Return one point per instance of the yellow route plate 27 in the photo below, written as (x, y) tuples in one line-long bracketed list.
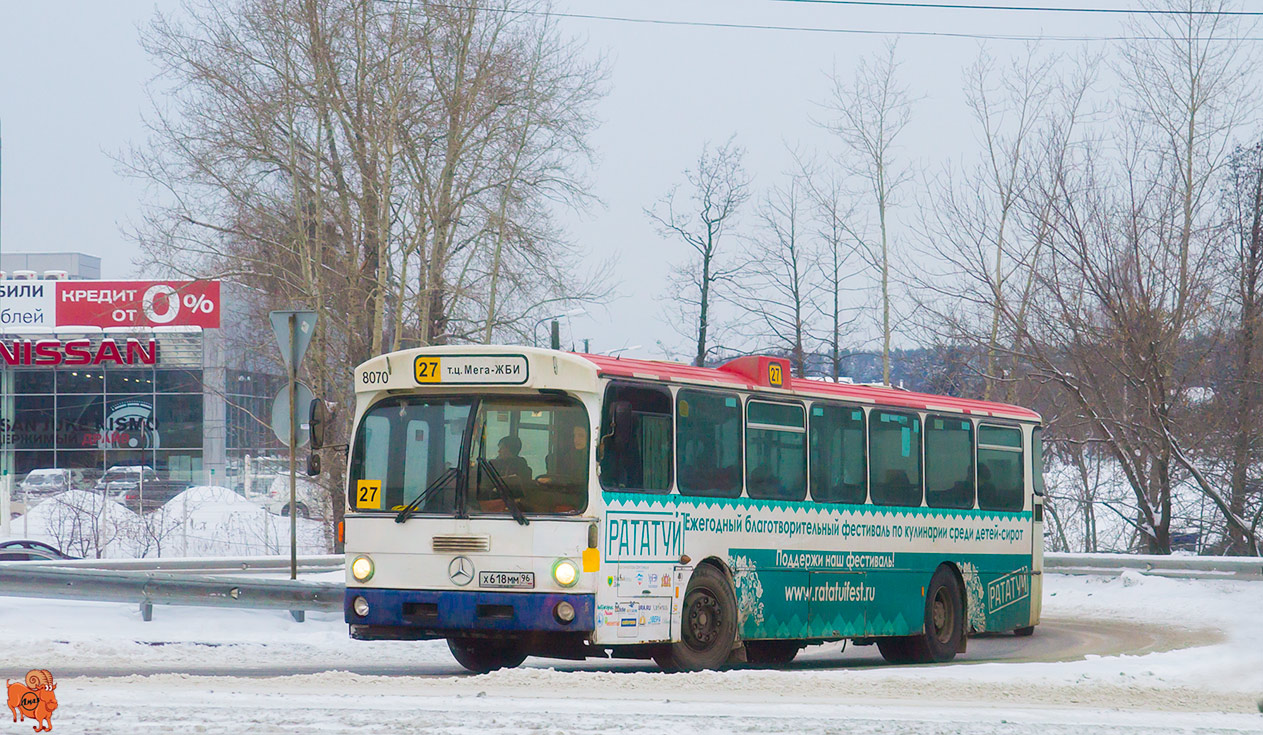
[(368, 494), (427, 369)]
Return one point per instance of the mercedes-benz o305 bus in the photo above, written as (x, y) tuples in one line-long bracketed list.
[(519, 501)]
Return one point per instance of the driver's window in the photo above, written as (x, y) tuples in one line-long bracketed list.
[(538, 449)]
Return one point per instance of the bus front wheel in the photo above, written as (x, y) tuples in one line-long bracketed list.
[(481, 656), (944, 626), (708, 629)]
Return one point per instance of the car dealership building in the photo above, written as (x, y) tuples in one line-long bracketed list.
[(98, 373)]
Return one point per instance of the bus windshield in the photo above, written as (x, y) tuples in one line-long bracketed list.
[(536, 449)]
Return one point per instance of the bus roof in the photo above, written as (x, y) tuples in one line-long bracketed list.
[(532, 367), (746, 373)]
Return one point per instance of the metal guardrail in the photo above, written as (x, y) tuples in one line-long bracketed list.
[(1184, 567), (27, 579), (205, 565)]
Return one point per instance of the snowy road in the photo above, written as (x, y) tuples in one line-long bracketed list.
[(1057, 640), (1125, 655)]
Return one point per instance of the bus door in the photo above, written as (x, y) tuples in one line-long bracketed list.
[(1037, 524)]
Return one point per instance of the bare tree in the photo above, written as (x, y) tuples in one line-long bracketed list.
[(986, 226), (394, 166), (1243, 206), (833, 214), (777, 281), (868, 113), (700, 218)]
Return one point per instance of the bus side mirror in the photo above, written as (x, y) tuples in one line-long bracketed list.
[(319, 416), (313, 464)]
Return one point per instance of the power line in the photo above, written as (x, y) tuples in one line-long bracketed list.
[(1028, 8), (798, 28)]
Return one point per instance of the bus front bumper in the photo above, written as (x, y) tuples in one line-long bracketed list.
[(417, 614)]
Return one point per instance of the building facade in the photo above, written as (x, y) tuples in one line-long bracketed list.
[(96, 374)]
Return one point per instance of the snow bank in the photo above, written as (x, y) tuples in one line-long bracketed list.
[(81, 523), (201, 521), (215, 521)]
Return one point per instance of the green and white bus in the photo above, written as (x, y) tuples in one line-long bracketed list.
[(518, 501)]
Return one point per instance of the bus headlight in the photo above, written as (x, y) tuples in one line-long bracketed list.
[(565, 572), (360, 606), (362, 568)]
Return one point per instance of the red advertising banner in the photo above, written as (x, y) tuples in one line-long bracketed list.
[(138, 304)]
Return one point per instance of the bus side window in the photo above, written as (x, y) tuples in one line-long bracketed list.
[(776, 451), (1000, 469), (949, 462), (708, 441), (634, 450), (837, 454), (894, 455)]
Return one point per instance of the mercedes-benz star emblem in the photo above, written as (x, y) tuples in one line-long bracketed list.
[(461, 571)]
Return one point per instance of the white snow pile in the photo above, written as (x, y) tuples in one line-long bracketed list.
[(215, 521), (201, 521), (81, 523)]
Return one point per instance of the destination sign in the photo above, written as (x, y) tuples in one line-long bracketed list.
[(471, 369)]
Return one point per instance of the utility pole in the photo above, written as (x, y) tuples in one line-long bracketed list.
[(293, 447)]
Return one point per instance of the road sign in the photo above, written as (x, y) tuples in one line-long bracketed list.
[(304, 328), (281, 414)]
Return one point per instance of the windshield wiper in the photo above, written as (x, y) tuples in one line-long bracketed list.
[(417, 502), (498, 483)]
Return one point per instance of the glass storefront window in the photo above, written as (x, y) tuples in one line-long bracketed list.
[(34, 424), (24, 462), (79, 420), (130, 423), (180, 466), (179, 421), (26, 382), (178, 381), (80, 381), (129, 381)]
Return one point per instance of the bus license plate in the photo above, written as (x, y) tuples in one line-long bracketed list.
[(507, 580)]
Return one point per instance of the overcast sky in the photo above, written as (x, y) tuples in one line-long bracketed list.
[(72, 79)]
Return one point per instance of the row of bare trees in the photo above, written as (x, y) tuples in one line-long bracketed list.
[(1098, 257), (395, 165)]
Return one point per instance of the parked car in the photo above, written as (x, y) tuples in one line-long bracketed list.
[(24, 550), (128, 484), (122, 477), (45, 482), (311, 500)]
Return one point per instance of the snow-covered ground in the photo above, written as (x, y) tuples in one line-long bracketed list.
[(225, 671)]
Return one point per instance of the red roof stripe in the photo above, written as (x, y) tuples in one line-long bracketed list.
[(632, 368)]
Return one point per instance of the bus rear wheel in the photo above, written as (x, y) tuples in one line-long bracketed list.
[(944, 626), (481, 656), (708, 630)]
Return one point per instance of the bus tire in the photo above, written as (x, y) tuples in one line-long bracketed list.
[(708, 631), (944, 626), (1024, 632), (771, 653), (896, 649), (481, 656)]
